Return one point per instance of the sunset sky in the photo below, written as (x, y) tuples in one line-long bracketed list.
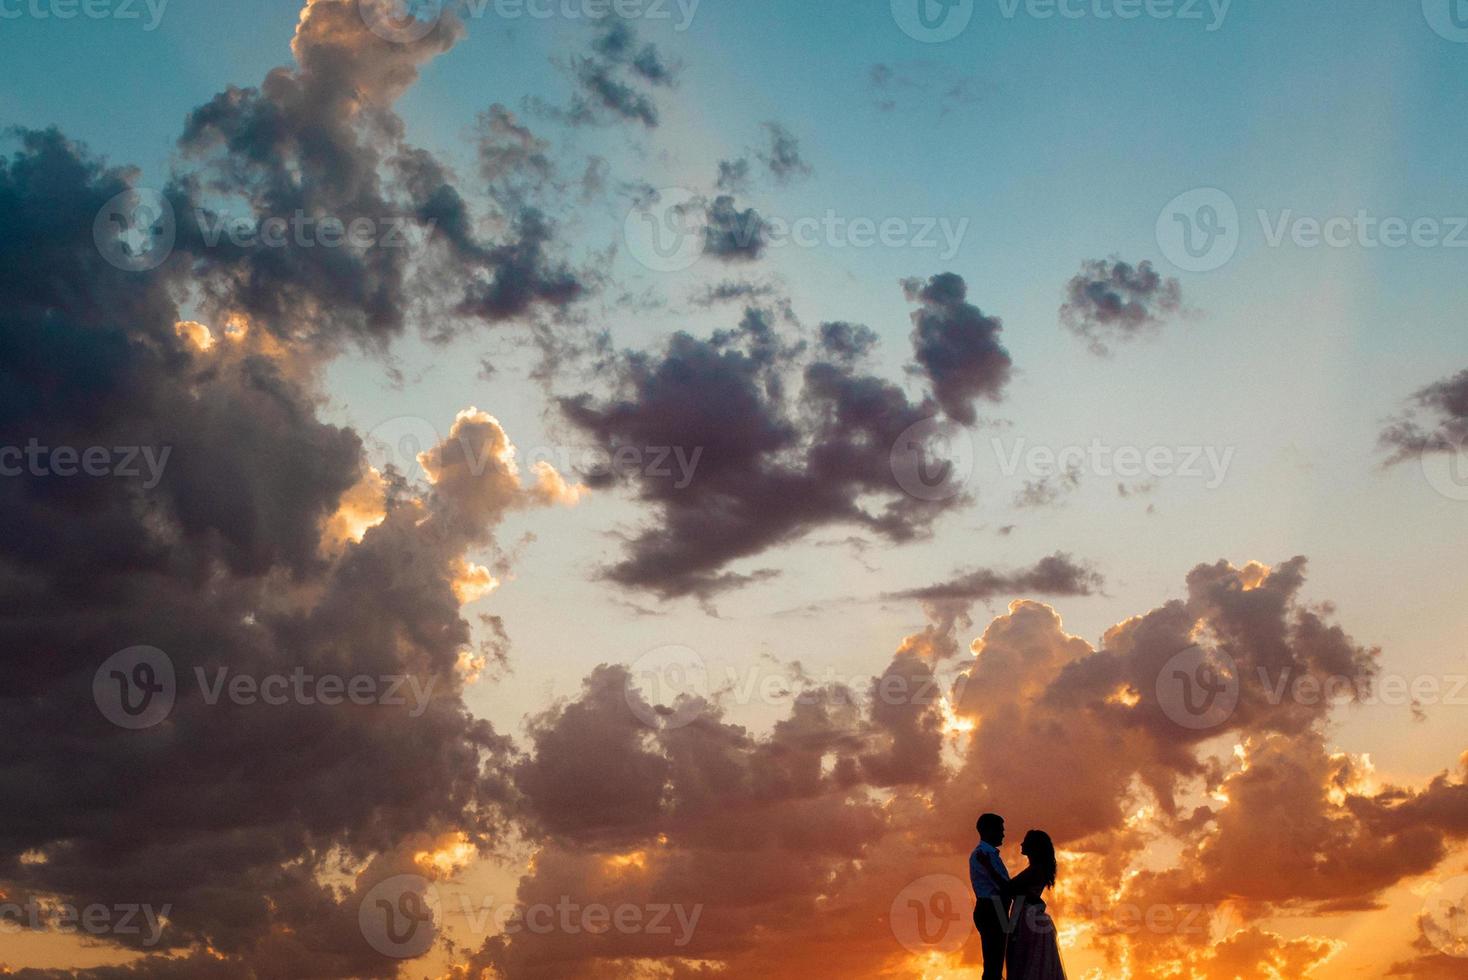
[(730, 446)]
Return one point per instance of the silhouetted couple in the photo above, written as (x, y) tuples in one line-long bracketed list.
[(1010, 913)]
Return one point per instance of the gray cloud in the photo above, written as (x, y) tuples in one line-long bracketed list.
[(1110, 301)]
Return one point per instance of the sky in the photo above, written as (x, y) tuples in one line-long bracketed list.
[(729, 447)]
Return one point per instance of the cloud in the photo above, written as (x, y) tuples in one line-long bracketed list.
[(614, 81), (734, 175), (1050, 489), (1110, 301), (732, 235), (322, 142), (956, 346), (1055, 575), (781, 156), (732, 290), (913, 86), (261, 545), (791, 843), (788, 438), (514, 162), (1445, 405)]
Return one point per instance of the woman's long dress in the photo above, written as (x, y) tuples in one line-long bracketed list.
[(1034, 950)]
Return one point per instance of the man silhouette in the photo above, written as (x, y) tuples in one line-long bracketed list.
[(988, 876)]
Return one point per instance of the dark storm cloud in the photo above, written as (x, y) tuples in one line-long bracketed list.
[(956, 346), (236, 815), (218, 810), (1110, 301), (789, 438), (1442, 405)]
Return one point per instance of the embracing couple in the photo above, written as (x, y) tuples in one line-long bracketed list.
[(1010, 912)]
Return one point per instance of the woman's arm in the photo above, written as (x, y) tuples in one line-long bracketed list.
[(1018, 885)]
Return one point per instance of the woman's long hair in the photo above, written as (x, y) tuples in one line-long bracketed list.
[(1042, 855)]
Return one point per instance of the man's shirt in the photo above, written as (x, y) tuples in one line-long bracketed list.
[(986, 871)]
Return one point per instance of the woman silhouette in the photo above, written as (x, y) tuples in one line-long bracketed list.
[(1034, 951)]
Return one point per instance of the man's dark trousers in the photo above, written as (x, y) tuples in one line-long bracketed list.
[(991, 921)]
